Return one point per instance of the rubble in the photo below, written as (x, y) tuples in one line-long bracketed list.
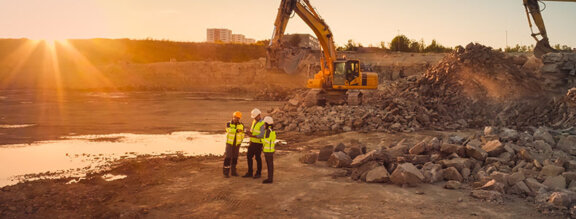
[(339, 159), (525, 170), (378, 175), (525, 146), (406, 174), (464, 90)]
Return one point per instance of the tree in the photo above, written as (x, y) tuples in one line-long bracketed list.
[(382, 44), (400, 43), (435, 47), (351, 46)]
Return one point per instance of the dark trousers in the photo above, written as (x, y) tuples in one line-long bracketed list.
[(231, 156), (270, 164), (254, 150)]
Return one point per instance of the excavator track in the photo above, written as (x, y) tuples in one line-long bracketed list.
[(319, 97)]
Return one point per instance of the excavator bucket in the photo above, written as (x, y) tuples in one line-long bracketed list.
[(542, 47), (286, 60)]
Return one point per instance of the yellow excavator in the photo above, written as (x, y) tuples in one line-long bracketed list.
[(340, 80), (533, 10)]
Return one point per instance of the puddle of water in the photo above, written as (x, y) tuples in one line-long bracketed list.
[(88, 152), (109, 177), (6, 126)]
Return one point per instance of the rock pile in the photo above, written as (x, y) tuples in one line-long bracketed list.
[(472, 87), (538, 164), (559, 70)]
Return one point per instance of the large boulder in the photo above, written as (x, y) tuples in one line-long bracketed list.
[(562, 199), (459, 163), (520, 188), (450, 148), (494, 186), (353, 152), (309, 157), (339, 159), (418, 148), (534, 185), (568, 144), (378, 175), (476, 152), (398, 150), (555, 182), (325, 153), (360, 172), (551, 170), (494, 148), (451, 173), (542, 146), (516, 177), (340, 147), (406, 174), (507, 134), (363, 158), (434, 144), (432, 172), (542, 133)]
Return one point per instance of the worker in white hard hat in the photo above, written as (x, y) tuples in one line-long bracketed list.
[(234, 137), (268, 143), (255, 148)]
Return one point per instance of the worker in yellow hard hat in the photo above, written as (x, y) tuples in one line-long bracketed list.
[(234, 137)]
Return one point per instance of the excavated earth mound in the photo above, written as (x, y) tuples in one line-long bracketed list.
[(472, 87)]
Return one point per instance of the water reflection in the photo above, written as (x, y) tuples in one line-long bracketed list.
[(88, 152)]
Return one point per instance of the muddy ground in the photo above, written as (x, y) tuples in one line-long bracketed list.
[(180, 186)]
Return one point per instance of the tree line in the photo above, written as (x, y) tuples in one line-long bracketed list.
[(401, 43)]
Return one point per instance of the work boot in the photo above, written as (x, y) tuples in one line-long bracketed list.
[(226, 171), (248, 174), (233, 172), (267, 181), (257, 176)]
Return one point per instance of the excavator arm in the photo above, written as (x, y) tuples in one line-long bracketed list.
[(534, 14), (339, 80)]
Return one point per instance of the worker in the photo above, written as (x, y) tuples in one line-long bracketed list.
[(234, 137), (255, 148), (268, 141)]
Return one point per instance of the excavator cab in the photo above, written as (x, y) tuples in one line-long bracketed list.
[(345, 71)]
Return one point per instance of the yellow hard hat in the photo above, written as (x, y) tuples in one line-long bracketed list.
[(237, 114)]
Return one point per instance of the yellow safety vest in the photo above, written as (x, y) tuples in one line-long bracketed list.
[(268, 141), (255, 129), (235, 132)]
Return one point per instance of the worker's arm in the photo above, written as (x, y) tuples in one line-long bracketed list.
[(261, 135)]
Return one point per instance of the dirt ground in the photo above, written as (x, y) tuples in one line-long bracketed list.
[(194, 187)]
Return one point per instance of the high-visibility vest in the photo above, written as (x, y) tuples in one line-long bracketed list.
[(255, 129), (268, 141), (234, 134)]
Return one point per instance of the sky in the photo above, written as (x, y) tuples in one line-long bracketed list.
[(495, 23)]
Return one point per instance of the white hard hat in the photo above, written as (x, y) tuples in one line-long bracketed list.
[(268, 120), (255, 112)]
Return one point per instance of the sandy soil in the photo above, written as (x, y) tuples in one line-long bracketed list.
[(194, 187)]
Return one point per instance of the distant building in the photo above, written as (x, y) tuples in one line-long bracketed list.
[(302, 41), (218, 35), (225, 36), (249, 41)]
